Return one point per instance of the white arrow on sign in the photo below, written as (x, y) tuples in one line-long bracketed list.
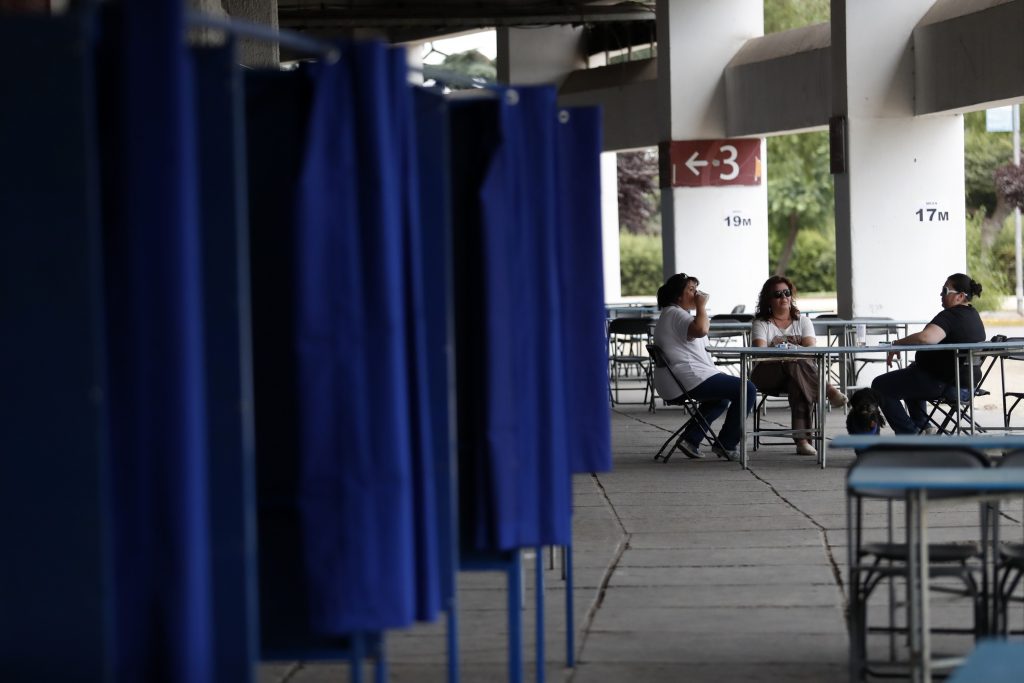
[(693, 163)]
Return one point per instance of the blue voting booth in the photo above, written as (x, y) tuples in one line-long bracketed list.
[(239, 317)]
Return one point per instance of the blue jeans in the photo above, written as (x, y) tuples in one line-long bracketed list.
[(913, 386), (715, 395)]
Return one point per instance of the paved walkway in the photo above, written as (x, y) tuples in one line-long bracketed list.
[(689, 571), (694, 571)]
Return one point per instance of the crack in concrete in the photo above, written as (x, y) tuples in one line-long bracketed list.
[(606, 577), (295, 668), (837, 573)]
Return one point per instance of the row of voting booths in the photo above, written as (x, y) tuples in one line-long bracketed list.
[(283, 351)]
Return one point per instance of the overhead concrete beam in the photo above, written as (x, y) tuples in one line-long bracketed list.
[(968, 54), (780, 82), (628, 96)]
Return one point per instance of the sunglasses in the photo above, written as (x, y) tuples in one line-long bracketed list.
[(947, 290), (782, 293)]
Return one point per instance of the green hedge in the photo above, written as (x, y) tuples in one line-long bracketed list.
[(996, 271), (813, 265), (640, 264)]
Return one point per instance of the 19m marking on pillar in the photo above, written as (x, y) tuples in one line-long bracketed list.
[(738, 222)]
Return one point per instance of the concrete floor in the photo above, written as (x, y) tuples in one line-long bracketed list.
[(690, 571), (694, 570)]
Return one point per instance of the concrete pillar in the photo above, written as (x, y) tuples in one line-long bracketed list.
[(718, 233), (547, 55), (900, 216), (256, 53), (610, 227), (538, 55)]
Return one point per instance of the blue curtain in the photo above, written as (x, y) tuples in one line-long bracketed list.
[(364, 444), (156, 351), (435, 256), (582, 285), (56, 621), (227, 323), (421, 356), (513, 412)]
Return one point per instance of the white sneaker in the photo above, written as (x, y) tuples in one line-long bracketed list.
[(925, 431), (689, 450), (805, 448), (733, 455), (838, 399)]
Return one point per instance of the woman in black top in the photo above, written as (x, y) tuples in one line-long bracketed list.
[(932, 376)]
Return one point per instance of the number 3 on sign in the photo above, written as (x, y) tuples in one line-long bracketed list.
[(730, 160)]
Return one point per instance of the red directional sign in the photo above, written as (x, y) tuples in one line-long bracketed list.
[(703, 163)]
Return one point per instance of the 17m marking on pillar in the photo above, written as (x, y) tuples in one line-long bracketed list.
[(930, 215)]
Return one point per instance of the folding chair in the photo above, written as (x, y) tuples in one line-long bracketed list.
[(1009, 569), (760, 410), (943, 413), (835, 373), (689, 404), (626, 337), (870, 563), (1017, 396), (723, 338)]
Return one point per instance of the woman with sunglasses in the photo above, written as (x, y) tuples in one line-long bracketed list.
[(778, 321), (931, 375), (683, 338)]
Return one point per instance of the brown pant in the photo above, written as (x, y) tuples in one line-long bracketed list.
[(798, 379)]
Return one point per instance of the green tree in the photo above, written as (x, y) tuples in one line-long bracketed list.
[(782, 15), (471, 63), (800, 194), (985, 152), (639, 196), (640, 264)]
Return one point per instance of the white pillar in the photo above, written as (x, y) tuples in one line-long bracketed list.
[(610, 227), (900, 215), (717, 233)]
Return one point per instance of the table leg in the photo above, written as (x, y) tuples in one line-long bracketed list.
[(822, 399), (913, 587), (926, 634), (743, 403)]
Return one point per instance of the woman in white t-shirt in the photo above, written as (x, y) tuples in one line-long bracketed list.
[(683, 338), (776, 321)]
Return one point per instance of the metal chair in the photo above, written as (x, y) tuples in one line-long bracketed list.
[(626, 337), (689, 404), (1009, 567), (871, 563), (944, 415), (722, 338), (887, 332), (1017, 396), (835, 370), (760, 410)]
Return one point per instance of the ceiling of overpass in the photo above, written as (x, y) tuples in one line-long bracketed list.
[(420, 20)]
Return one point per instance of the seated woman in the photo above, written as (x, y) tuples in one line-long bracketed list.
[(932, 374), (683, 338), (778, 320)]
